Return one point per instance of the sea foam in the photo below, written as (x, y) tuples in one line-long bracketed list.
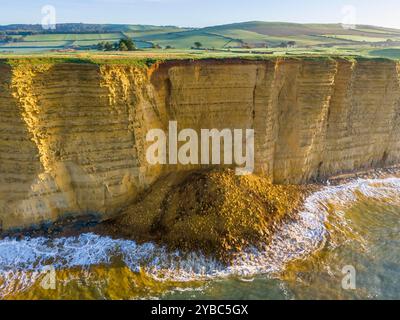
[(21, 261)]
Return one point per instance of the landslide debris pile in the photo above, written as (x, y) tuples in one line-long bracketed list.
[(216, 212)]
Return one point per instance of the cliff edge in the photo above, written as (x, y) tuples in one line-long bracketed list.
[(73, 135)]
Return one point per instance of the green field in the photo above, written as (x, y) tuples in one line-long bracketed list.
[(272, 38), (392, 53), (72, 37), (360, 38), (186, 39)]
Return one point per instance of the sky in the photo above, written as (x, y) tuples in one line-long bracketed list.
[(200, 13)]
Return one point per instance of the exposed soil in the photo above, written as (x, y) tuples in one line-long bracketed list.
[(216, 212)]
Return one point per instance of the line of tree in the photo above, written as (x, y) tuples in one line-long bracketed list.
[(289, 44), (122, 45), (8, 39)]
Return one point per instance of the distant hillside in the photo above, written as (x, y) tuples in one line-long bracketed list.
[(79, 28), (245, 35), (257, 32), (295, 29)]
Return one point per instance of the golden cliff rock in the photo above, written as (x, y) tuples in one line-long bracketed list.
[(72, 135)]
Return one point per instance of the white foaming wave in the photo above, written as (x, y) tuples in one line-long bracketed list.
[(297, 238)]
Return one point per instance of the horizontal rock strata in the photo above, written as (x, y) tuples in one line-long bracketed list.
[(72, 135)]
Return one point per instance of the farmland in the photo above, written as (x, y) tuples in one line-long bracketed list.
[(272, 38)]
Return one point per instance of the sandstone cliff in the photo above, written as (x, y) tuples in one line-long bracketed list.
[(72, 135)]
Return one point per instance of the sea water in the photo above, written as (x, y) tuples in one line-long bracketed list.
[(354, 225)]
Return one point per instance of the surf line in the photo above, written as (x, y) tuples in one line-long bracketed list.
[(189, 154)]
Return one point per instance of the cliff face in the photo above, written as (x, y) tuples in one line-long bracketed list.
[(72, 136)]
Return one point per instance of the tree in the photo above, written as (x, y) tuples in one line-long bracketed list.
[(8, 39), (108, 46), (198, 44), (122, 46), (101, 46), (126, 45), (291, 44)]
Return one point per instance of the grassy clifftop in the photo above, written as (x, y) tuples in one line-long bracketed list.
[(143, 60)]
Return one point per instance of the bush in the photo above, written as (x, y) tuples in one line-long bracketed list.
[(126, 45), (108, 46), (122, 47), (101, 46)]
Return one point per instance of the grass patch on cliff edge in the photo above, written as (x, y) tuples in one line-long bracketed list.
[(41, 60), (138, 62), (147, 62)]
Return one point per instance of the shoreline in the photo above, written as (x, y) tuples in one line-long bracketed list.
[(377, 173), (91, 223)]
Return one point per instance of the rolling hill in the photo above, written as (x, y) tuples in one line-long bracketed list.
[(245, 35)]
